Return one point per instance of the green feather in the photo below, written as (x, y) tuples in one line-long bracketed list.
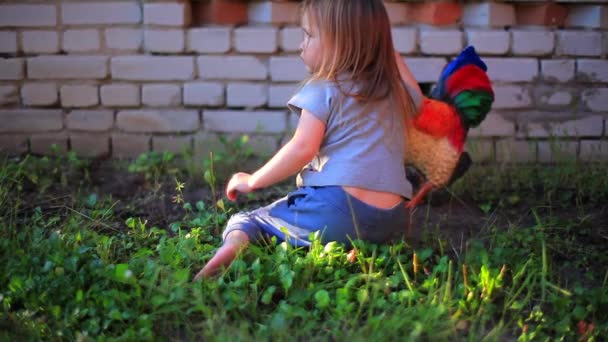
[(473, 106)]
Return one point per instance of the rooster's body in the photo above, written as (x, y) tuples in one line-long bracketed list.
[(436, 136)]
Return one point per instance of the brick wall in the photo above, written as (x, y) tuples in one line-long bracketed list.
[(122, 77)]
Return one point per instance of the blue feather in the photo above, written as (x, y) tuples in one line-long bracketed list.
[(466, 57)]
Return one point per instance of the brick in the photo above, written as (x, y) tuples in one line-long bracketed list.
[(8, 95), (270, 12), (245, 121), (590, 126), (405, 40), (593, 150), (37, 15), (550, 97), (494, 125), (588, 16), (426, 70), (605, 53), (90, 120), (8, 42), (40, 41), (232, 68), (39, 94), (279, 94), (441, 42), (246, 94), (557, 151), (164, 41), (592, 70), (67, 67), (547, 14), (489, 14), (480, 150), (90, 145), (204, 94), (579, 43), (205, 143), (11, 69), (49, 143), (557, 70), (79, 95), (287, 69), (438, 13), (173, 144), (512, 69), (398, 13), (124, 38), (515, 151), (255, 39), (219, 12), (595, 99), (533, 42), (290, 39), (152, 68), (264, 145), (168, 14), (511, 96), (128, 146), (13, 144), (161, 95), (120, 95), (158, 121), (209, 40), (29, 120), (489, 42), (103, 13), (81, 40)]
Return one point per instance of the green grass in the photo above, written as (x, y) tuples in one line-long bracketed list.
[(78, 269)]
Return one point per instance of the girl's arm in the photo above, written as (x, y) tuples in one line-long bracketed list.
[(409, 81), (292, 157)]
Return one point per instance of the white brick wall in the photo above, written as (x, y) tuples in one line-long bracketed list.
[(104, 13), (241, 94), (405, 40), (592, 70), (40, 41), (90, 145), (489, 42), (551, 151), (441, 42), (512, 69), (158, 121), (79, 95), (203, 94), (556, 98), (593, 150), (30, 120), (120, 95), (90, 120), (43, 143), (495, 125), (426, 70), (244, 121), (129, 145), (209, 40), (579, 43), (152, 68), (173, 144), (232, 68), (288, 68), (515, 151), (167, 14), (560, 70), (588, 17), (533, 42), (291, 38), (124, 38), (8, 42), (488, 14), (39, 94), (590, 126), (28, 15), (67, 67), (279, 94), (161, 95), (255, 39), (510, 97), (164, 41), (8, 95), (596, 99), (81, 40), (11, 69)]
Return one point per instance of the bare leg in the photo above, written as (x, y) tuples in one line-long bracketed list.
[(234, 243)]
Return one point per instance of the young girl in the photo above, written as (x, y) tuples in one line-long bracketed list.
[(349, 144)]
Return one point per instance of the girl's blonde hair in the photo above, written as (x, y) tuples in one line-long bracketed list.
[(357, 41)]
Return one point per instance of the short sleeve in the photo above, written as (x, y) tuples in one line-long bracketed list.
[(315, 97)]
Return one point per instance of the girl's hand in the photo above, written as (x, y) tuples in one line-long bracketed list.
[(239, 182)]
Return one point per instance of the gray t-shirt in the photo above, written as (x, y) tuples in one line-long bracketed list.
[(363, 146)]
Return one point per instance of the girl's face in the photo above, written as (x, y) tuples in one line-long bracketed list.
[(311, 45)]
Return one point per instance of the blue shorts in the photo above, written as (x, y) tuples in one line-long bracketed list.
[(331, 210)]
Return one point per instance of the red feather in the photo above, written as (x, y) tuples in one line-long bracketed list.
[(437, 118), (468, 77)]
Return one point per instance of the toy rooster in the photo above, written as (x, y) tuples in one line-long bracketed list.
[(436, 136)]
